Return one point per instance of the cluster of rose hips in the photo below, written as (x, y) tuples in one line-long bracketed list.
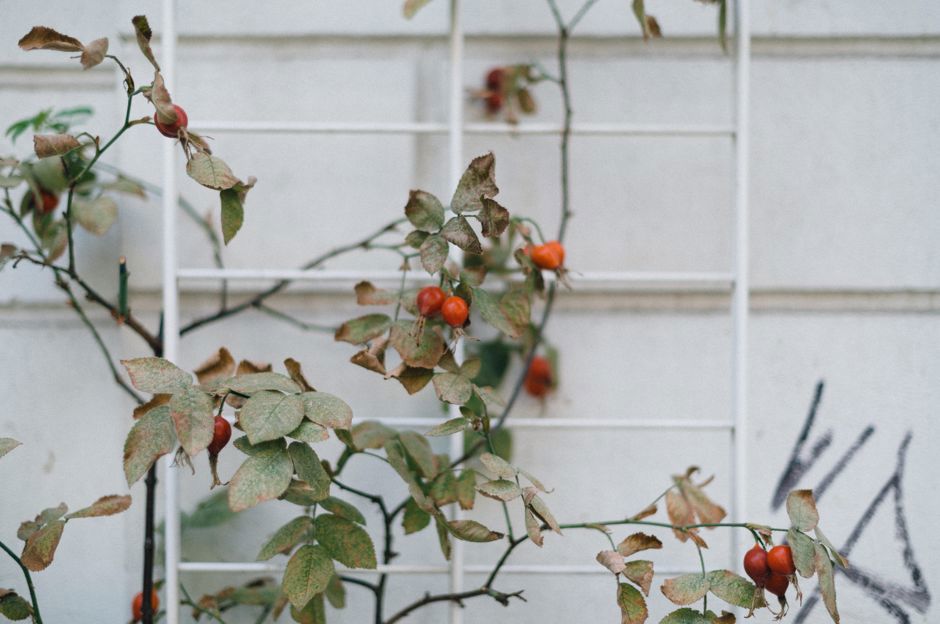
[(505, 87), (770, 569), (431, 300)]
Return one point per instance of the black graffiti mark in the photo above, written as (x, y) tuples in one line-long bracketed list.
[(888, 595)]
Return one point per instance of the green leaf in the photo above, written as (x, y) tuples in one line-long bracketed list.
[(444, 487), (327, 410), (246, 447), (371, 434), (804, 552), (211, 172), (7, 445), (308, 467), (494, 218), (412, 378), (451, 388), (494, 357), (191, 410), (466, 489), (211, 511), (497, 466), (433, 252), (508, 314), (286, 537), (104, 506), (269, 415), (156, 375), (422, 351), (309, 432), (342, 509), (233, 213), (261, 477), (414, 518), (827, 585), (425, 211), (13, 606), (41, 545), (459, 232), (685, 616), (450, 427), (476, 182), (472, 531), (345, 541), (685, 589), (313, 613), (640, 572), (303, 494), (419, 450), (259, 382), (443, 537), (363, 329), (802, 510), (632, 605), (500, 489), (413, 239), (395, 451), (308, 574), (734, 589), (149, 439), (96, 216), (336, 592)]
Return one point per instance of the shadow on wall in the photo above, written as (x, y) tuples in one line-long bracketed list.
[(895, 598)]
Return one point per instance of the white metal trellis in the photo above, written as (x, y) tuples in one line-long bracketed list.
[(736, 281)]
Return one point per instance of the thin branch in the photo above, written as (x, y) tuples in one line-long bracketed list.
[(358, 581), (293, 320), (282, 284), (501, 597), (37, 619)]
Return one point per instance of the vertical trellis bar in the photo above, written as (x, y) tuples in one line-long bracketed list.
[(741, 292), (171, 317), (455, 165)]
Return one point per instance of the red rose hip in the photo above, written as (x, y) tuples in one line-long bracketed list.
[(780, 560), (755, 564), (172, 130), (455, 311), (429, 300), (220, 436)]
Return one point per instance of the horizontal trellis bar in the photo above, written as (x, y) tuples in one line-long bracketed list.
[(258, 568), (577, 423), (412, 128)]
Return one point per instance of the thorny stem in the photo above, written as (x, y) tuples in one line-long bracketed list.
[(37, 619)]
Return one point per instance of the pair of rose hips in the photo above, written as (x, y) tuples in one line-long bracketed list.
[(432, 300), (770, 569), (550, 255), (172, 130)]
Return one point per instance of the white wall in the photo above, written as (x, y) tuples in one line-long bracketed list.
[(845, 266)]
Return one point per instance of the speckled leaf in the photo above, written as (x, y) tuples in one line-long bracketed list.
[(309, 432), (632, 605), (13, 606), (443, 537), (450, 427), (308, 573), (261, 477), (232, 213), (191, 410), (286, 537), (220, 366), (451, 388), (422, 351), (336, 592), (269, 415), (540, 509), (40, 547), (345, 541), (156, 375), (612, 560), (150, 438), (327, 410), (308, 467), (802, 510), (494, 218), (303, 494), (412, 378), (472, 531), (500, 489), (466, 489), (498, 467), (533, 527), (641, 573), (104, 506), (733, 589), (419, 450), (371, 434), (425, 211), (459, 232), (680, 513), (685, 589), (343, 509), (433, 252), (257, 382), (685, 616), (7, 445), (827, 585), (313, 613), (804, 552), (479, 180), (492, 313), (211, 172), (637, 542), (363, 329)]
